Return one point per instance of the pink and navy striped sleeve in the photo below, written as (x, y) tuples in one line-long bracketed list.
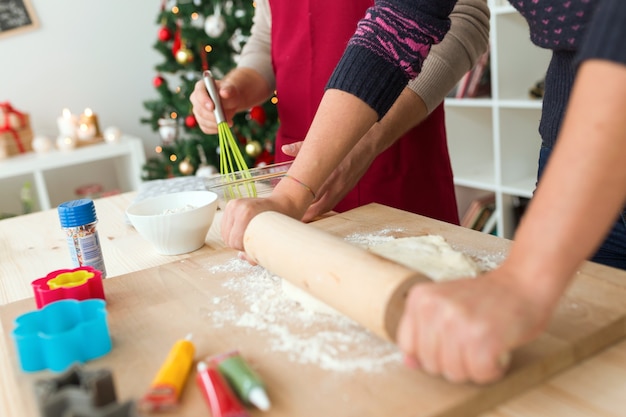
[(388, 49)]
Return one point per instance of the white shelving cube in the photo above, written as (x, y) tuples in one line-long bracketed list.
[(494, 142), (56, 174)]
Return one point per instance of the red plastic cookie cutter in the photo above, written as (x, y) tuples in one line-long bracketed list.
[(80, 283)]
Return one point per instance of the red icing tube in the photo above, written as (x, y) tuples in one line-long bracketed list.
[(220, 398)]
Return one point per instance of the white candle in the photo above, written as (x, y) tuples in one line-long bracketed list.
[(88, 125), (67, 124)]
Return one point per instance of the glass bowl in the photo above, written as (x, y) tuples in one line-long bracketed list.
[(256, 182)]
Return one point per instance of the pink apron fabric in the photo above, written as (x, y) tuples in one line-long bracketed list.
[(415, 173)]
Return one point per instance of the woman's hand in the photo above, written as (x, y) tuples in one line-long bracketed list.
[(238, 214), (288, 198), (203, 106), (464, 330)]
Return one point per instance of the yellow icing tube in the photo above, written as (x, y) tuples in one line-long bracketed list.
[(167, 385)]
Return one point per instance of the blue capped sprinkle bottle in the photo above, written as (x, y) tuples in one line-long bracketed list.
[(78, 220)]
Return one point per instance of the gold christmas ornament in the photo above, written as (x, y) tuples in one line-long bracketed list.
[(185, 167), (184, 56), (254, 148)]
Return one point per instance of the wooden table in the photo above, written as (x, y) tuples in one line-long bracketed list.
[(33, 245)]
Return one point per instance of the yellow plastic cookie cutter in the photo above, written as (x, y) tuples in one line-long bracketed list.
[(70, 279)]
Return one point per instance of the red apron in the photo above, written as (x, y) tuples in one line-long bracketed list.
[(414, 174)]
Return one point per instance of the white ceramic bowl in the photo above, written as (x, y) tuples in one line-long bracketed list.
[(174, 223)]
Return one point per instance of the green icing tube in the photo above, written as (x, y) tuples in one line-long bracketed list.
[(244, 381)]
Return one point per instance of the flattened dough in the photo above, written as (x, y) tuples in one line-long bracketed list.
[(430, 254)]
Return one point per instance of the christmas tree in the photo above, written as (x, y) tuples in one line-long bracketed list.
[(195, 36)]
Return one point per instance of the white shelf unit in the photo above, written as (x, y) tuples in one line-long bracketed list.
[(55, 175), (494, 142)]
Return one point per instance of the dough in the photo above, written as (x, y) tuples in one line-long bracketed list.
[(430, 254)]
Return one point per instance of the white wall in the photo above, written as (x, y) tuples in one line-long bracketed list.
[(85, 53)]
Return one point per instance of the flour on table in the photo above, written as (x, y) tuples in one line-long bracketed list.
[(430, 254), (305, 300), (317, 336)]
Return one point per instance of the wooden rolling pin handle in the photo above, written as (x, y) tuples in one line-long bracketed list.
[(366, 287)]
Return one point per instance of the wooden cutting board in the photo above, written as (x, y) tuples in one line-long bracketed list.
[(317, 365)]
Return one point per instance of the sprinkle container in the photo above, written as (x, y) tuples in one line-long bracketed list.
[(78, 220)]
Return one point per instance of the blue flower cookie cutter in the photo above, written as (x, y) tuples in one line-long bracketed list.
[(61, 334)]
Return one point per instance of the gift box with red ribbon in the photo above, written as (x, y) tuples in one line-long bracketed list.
[(16, 135)]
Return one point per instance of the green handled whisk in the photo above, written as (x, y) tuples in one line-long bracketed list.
[(233, 166)]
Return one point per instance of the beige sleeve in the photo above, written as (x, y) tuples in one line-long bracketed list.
[(448, 61), (257, 52)]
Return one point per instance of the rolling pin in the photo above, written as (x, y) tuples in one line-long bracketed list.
[(362, 285)]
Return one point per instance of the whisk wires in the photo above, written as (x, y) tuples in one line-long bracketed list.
[(232, 163), (233, 166)]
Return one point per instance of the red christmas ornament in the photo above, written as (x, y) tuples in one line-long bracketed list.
[(242, 139), (177, 40), (165, 34), (257, 113), (158, 81), (265, 158), (190, 121)]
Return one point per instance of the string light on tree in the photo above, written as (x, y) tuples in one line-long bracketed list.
[(197, 20)]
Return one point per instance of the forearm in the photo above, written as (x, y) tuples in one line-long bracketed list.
[(257, 52), (583, 186), (254, 76), (340, 121), (407, 112), (458, 52)]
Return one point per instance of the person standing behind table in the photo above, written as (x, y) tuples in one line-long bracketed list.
[(294, 47), (579, 196)]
